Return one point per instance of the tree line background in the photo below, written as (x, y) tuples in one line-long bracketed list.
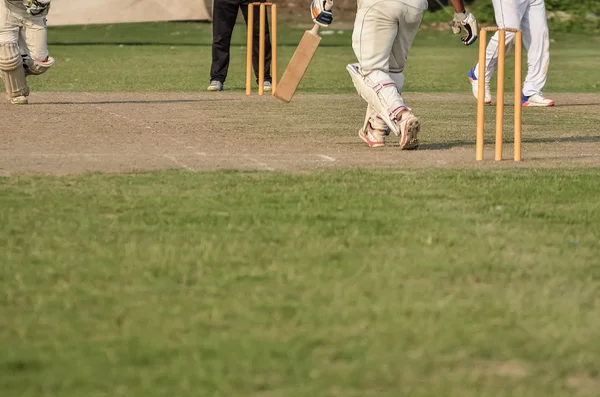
[(563, 15)]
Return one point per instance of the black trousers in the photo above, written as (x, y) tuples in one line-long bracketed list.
[(224, 16)]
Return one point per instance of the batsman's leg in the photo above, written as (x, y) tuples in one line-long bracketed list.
[(11, 64), (372, 38), (33, 44), (408, 124), (13, 73)]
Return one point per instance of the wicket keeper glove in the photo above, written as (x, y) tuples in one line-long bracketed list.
[(469, 24), (321, 12)]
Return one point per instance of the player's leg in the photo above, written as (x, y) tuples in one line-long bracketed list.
[(256, 42), (375, 31), (373, 53), (408, 124), (508, 14), (396, 73), (224, 17), (33, 44), (537, 43), (11, 63)]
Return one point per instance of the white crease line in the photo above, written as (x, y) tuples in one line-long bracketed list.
[(72, 154), (263, 165), (332, 159), (183, 144), (90, 157), (179, 163)]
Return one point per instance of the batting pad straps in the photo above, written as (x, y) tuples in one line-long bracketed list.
[(10, 59), (13, 74), (380, 92)]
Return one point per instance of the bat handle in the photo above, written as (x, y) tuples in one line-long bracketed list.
[(315, 30)]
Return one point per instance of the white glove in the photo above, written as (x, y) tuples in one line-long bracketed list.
[(36, 7), (320, 11), (469, 24)]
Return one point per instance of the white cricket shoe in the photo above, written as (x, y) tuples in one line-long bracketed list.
[(372, 136), (475, 87), (409, 126), (215, 86), (19, 100), (536, 100)]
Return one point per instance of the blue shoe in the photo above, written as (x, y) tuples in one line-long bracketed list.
[(215, 86), (475, 86)]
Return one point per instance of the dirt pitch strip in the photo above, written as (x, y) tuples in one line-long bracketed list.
[(65, 133)]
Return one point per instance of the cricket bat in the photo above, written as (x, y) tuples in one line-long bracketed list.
[(298, 65), (301, 59)]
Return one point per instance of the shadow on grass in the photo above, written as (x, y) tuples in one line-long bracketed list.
[(450, 145), (570, 105), (136, 101), (560, 105)]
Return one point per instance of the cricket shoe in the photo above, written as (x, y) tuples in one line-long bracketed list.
[(267, 86), (19, 100), (536, 100), (475, 87), (215, 86), (372, 136), (409, 126)]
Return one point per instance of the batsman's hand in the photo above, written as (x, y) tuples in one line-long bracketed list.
[(36, 7), (320, 11), (467, 22)]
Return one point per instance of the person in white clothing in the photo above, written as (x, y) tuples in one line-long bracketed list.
[(530, 17), (383, 34), (23, 45)]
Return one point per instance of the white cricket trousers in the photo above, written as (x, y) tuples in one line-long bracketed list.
[(384, 31), (29, 32), (530, 17)]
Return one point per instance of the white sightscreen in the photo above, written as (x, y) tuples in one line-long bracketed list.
[(82, 12)]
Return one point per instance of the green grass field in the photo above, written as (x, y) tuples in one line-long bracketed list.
[(177, 56), (348, 282)]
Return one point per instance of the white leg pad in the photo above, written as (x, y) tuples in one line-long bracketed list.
[(13, 74), (380, 92), (376, 121), (398, 78)]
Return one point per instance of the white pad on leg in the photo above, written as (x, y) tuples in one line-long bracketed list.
[(376, 121), (36, 67), (13, 74), (398, 78), (380, 92)]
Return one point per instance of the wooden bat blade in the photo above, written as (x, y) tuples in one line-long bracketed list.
[(297, 67)]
